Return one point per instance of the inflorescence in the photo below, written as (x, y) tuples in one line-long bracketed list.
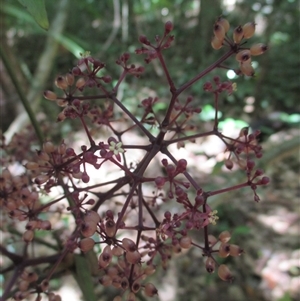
[(131, 236)]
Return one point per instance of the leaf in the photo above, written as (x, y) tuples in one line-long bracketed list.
[(84, 278), (69, 44), (38, 11), (17, 13)]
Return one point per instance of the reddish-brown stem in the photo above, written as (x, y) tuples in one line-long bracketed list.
[(216, 94), (12, 256), (166, 71), (185, 138), (57, 263), (231, 188), (140, 205), (188, 84), (133, 118), (153, 216), (205, 71), (124, 208), (121, 78), (92, 142)]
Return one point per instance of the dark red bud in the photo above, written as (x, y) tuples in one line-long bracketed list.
[(168, 27)]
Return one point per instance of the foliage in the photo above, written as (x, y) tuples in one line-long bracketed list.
[(38, 11)]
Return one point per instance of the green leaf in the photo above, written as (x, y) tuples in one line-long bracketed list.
[(17, 12), (69, 44), (84, 278), (38, 11)]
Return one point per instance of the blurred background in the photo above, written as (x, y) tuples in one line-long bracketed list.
[(268, 231)]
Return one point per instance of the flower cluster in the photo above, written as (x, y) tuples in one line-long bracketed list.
[(116, 219), (240, 34)]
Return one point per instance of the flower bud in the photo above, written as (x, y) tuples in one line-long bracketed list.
[(250, 164), (247, 69), (149, 269), (135, 287), (243, 56), (150, 290), (62, 149), (238, 34), (143, 39), (212, 240), (43, 156), (210, 265), (224, 250), (85, 177), (44, 285), (110, 228), (116, 281), (229, 164), (224, 273), (176, 248), (219, 31), (80, 83), (133, 257), (92, 216), (31, 225), (32, 277), (54, 297), (76, 71), (105, 257), (199, 200), (244, 131), (41, 179), (129, 244), (88, 228), (131, 297), (181, 165), (112, 271), (117, 251), (168, 27), (224, 236), (105, 280), (224, 22), (160, 182), (185, 242), (50, 95), (249, 29), (61, 102), (70, 78), (21, 295), (61, 116), (45, 225), (216, 43), (258, 49), (48, 147), (124, 283), (121, 263), (86, 244), (61, 83), (23, 285), (264, 181), (235, 250), (32, 165)]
